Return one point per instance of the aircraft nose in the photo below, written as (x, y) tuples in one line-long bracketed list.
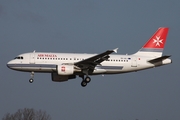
[(9, 64)]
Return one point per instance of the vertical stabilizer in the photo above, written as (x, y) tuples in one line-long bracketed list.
[(155, 45)]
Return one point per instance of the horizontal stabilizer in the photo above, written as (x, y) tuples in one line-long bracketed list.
[(159, 59)]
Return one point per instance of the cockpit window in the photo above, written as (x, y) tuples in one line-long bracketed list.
[(19, 57)]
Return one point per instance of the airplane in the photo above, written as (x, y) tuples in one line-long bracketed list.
[(66, 66)]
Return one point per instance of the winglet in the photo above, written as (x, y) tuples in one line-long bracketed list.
[(115, 50)]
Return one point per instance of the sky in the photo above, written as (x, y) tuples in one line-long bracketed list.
[(90, 26)]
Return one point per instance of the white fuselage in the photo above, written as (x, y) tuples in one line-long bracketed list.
[(47, 62), (65, 66)]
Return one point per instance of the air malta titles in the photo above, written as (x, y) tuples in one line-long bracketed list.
[(47, 55)]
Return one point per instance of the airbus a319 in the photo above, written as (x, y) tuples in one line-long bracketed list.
[(67, 66)]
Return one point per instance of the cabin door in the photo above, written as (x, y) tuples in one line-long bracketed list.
[(32, 58), (134, 62)]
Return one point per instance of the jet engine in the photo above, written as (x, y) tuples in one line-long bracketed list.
[(61, 78), (65, 69)]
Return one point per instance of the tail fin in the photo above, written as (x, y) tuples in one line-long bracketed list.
[(155, 45)]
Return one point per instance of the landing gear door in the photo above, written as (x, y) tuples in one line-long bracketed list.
[(32, 58), (134, 62)]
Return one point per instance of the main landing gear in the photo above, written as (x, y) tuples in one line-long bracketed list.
[(32, 76), (85, 81)]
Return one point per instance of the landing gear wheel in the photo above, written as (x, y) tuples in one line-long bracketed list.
[(88, 79), (85, 80), (32, 76), (31, 80), (83, 83)]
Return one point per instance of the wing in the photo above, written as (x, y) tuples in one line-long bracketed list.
[(90, 63)]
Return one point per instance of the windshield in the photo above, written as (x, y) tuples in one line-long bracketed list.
[(19, 57)]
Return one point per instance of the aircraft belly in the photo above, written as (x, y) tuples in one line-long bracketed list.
[(39, 69), (113, 71), (99, 71), (33, 67), (108, 69)]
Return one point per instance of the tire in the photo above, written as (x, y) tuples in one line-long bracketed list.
[(31, 80), (88, 79), (83, 83)]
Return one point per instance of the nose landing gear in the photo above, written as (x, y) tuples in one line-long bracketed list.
[(31, 80), (32, 76)]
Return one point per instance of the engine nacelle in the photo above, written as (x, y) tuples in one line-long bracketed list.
[(61, 78), (65, 69)]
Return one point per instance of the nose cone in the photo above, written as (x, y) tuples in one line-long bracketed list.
[(9, 64)]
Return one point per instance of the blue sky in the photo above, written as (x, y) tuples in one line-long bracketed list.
[(90, 26)]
